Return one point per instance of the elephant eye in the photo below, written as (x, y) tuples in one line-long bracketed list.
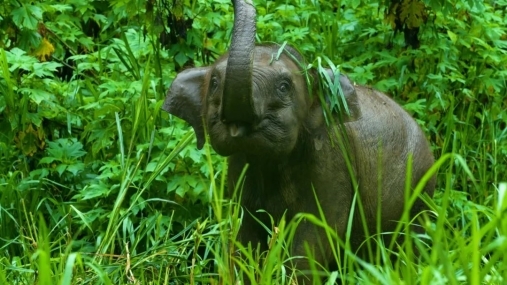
[(214, 84), (283, 88)]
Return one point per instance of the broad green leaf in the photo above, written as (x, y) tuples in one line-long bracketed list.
[(181, 58), (62, 7), (47, 160), (75, 168), (452, 36), (60, 168), (37, 95), (27, 17), (355, 3)]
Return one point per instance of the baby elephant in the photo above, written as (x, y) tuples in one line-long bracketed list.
[(258, 108)]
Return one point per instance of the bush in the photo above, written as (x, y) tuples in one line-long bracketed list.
[(98, 185)]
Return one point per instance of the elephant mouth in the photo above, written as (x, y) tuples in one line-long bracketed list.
[(237, 130), (266, 137), (242, 130)]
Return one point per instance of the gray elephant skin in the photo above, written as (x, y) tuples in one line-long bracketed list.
[(258, 109)]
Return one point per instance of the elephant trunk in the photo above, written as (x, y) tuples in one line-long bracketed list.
[(237, 99)]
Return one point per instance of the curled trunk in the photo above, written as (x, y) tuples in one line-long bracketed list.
[(237, 98)]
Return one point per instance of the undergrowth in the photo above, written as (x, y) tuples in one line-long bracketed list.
[(98, 186)]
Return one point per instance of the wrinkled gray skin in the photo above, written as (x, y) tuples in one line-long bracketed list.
[(258, 110)]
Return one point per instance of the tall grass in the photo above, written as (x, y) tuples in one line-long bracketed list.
[(128, 236), (464, 243)]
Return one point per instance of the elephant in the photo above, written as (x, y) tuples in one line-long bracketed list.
[(259, 107)]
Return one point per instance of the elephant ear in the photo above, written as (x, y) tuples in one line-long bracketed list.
[(184, 99), (348, 106)]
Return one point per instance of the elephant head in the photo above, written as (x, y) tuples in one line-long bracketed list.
[(254, 99)]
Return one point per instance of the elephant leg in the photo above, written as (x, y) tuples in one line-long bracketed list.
[(320, 252)]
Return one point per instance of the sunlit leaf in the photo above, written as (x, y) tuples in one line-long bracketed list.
[(30, 140), (45, 50), (452, 36)]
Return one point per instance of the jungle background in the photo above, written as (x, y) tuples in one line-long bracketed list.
[(99, 186)]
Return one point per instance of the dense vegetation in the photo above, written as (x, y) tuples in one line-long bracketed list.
[(97, 185)]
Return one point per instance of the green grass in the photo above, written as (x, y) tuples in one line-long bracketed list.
[(464, 243), (98, 186)]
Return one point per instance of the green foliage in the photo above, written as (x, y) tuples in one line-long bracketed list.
[(97, 185)]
